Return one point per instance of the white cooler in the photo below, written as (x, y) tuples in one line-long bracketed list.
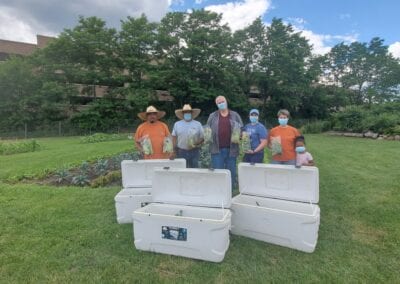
[(277, 204), (189, 216), (136, 181)]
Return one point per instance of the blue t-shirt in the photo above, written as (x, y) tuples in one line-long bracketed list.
[(257, 132), (183, 129)]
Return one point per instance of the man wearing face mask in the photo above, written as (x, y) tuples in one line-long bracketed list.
[(153, 130), (188, 135), (224, 150), (258, 138), (285, 135)]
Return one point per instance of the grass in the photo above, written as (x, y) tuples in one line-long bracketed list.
[(70, 234), (56, 153)]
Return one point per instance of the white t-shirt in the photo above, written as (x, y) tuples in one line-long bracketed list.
[(303, 158)]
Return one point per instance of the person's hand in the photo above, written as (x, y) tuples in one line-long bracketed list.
[(172, 156), (249, 152)]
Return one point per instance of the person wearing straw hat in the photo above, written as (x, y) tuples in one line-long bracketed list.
[(150, 135), (188, 135)]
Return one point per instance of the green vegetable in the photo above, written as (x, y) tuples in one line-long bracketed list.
[(146, 145), (207, 134), (276, 146), (235, 136), (168, 146), (245, 143)]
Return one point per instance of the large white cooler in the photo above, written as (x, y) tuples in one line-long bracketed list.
[(136, 181), (277, 204), (189, 216)]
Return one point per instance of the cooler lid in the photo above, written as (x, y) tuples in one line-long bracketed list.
[(279, 181), (199, 187), (140, 173)]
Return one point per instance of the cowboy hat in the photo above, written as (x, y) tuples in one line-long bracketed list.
[(195, 111), (151, 109)]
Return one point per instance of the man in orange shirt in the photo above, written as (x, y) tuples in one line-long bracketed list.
[(149, 136), (281, 140)]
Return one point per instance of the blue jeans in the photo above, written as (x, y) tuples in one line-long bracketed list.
[(290, 162), (191, 157), (222, 160), (254, 158)]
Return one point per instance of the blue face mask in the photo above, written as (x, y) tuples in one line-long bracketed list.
[(300, 149), (187, 116), (253, 119), (221, 106), (283, 121)]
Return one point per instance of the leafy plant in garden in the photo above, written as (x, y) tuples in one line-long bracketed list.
[(102, 137), (80, 180), (9, 148), (101, 167), (85, 167), (62, 175)]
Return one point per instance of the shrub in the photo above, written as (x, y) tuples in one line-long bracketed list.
[(114, 176), (9, 148), (382, 119), (102, 137), (314, 127)]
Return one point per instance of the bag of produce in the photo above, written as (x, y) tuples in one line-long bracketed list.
[(147, 147), (207, 134), (276, 145), (246, 142), (168, 146), (235, 136), (193, 138)]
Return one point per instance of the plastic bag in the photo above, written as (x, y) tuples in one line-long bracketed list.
[(246, 142), (276, 146), (193, 138), (147, 147), (168, 146), (235, 136), (207, 134)]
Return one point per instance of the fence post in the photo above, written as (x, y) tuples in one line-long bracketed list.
[(26, 130), (59, 128)]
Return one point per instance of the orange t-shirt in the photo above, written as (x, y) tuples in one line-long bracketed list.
[(157, 132), (288, 135)]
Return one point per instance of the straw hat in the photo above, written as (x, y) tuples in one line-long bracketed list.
[(195, 111), (151, 109)]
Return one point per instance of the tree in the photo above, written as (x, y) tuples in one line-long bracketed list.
[(194, 52), (85, 54), (366, 69), (285, 67), (249, 44)]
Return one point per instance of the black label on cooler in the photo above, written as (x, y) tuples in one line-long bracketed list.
[(174, 233)]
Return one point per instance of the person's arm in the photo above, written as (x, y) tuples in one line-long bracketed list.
[(137, 140), (311, 163), (261, 147)]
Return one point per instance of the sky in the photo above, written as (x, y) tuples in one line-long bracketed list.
[(323, 22)]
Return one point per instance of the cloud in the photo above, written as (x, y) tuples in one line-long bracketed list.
[(22, 20), (394, 49), (344, 16), (240, 14), (322, 43)]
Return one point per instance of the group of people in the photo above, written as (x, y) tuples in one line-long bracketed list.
[(225, 128)]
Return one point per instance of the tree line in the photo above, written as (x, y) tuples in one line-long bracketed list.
[(194, 57)]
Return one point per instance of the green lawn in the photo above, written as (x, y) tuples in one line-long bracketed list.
[(50, 234), (57, 153)]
